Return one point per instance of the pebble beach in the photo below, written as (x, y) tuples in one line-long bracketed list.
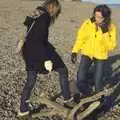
[(62, 36)]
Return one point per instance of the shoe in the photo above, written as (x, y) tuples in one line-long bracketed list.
[(69, 100), (119, 104), (66, 103), (24, 109), (35, 107), (69, 103), (22, 114), (77, 97)]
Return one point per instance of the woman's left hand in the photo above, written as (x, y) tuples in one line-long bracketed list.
[(74, 57), (104, 27)]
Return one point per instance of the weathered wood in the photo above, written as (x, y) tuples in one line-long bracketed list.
[(89, 110), (45, 113), (68, 114), (57, 109), (90, 99)]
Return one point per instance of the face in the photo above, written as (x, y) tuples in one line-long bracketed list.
[(52, 9), (98, 17)]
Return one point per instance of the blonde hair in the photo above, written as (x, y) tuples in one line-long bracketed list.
[(58, 10)]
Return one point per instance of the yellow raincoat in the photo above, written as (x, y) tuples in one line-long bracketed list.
[(94, 43)]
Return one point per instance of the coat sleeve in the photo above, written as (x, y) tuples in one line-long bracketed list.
[(28, 21), (80, 37), (110, 38)]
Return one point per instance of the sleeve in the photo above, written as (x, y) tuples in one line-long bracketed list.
[(110, 38), (80, 37), (28, 21)]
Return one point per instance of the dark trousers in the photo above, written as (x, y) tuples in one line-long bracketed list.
[(31, 80), (82, 74)]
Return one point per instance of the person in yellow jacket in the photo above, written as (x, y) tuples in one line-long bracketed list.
[(96, 38)]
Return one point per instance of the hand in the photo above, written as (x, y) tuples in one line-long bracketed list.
[(104, 27), (48, 65), (19, 46), (74, 57)]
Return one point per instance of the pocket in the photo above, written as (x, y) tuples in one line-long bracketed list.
[(103, 46)]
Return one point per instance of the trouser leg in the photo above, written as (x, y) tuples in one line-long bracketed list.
[(98, 74), (82, 74), (31, 79), (64, 83)]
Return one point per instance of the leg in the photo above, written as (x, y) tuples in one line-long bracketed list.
[(60, 67), (98, 74), (31, 79), (82, 74), (64, 83)]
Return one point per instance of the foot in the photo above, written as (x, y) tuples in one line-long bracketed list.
[(68, 100), (67, 103), (32, 108), (35, 107), (22, 114), (119, 104), (77, 97), (24, 109)]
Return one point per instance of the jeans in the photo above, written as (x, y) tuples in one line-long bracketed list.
[(82, 73), (31, 80)]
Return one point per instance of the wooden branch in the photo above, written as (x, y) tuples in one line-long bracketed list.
[(89, 110), (58, 109), (69, 114), (44, 113), (90, 99)]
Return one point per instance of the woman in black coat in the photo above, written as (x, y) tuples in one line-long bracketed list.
[(39, 55)]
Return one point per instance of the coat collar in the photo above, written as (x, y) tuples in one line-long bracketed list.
[(42, 9)]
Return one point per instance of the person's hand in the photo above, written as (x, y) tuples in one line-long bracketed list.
[(19, 46), (74, 57), (104, 27), (48, 65)]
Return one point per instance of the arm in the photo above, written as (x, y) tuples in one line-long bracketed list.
[(79, 41), (110, 38), (80, 37)]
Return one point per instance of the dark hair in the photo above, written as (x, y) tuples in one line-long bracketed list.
[(57, 4), (105, 11)]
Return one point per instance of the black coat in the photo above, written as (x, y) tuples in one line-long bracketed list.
[(37, 49)]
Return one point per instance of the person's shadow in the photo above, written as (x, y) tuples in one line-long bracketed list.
[(111, 78)]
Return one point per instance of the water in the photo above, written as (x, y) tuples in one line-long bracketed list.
[(114, 5), (110, 2)]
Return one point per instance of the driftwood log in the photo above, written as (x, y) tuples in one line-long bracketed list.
[(69, 114)]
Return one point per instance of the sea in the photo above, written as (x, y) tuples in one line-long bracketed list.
[(111, 3)]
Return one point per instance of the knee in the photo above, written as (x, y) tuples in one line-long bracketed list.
[(29, 85), (80, 77), (63, 71), (31, 79)]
